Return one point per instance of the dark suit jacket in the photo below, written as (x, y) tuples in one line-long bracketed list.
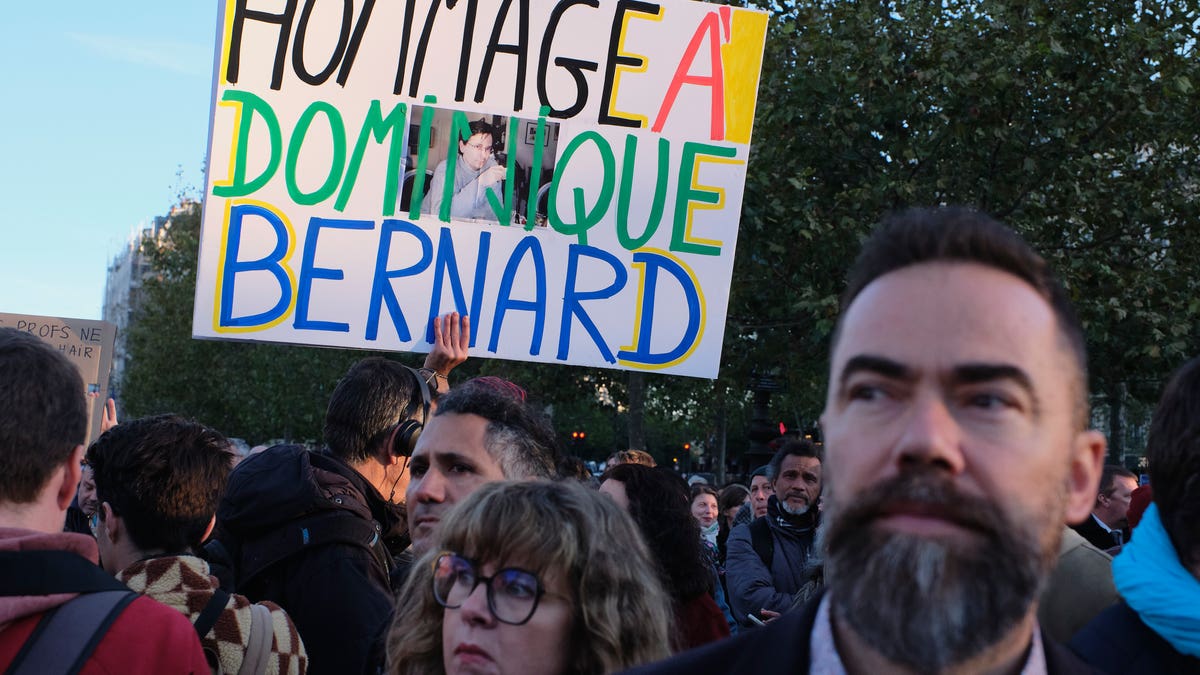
[(781, 648), (1097, 536), (1120, 642)]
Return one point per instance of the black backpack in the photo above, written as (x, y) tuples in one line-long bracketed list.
[(761, 540)]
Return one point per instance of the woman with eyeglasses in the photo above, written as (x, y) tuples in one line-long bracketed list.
[(531, 578)]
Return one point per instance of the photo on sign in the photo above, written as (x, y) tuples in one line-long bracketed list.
[(487, 149)]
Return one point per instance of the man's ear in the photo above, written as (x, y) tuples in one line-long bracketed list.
[(111, 525), (383, 452), (1083, 478), (70, 479)]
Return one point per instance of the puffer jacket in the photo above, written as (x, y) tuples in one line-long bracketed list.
[(795, 565)]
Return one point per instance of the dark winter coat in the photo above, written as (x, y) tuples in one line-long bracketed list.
[(306, 531), (782, 647), (1117, 641), (752, 584)]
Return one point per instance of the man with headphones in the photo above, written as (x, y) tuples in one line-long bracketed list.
[(317, 532)]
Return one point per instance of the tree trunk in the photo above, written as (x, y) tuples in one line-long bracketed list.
[(1116, 424), (720, 433), (637, 410)]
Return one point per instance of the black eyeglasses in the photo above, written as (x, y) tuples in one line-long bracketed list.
[(512, 593)]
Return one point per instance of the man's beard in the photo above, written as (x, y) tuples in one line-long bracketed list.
[(947, 600), (794, 510)]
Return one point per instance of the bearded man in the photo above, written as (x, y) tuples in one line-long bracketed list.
[(771, 564), (956, 448)]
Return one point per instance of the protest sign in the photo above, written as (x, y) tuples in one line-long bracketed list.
[(87, 344), (568, 173)]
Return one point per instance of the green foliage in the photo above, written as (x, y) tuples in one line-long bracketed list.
[(1075, 122), (252, 391)]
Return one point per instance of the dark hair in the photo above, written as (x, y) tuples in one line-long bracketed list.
[(371, 398), (479, 127), (1108, 477), (731, 496), (164, 475), (701, 489), (800, 447), (43, 414), (956, 234), (574, 468), (518, 437), (764, 470), (660, 506), (1173, 451)]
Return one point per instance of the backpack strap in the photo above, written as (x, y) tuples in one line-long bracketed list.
[(259, 642), (761, 540), (52, 572), (65, 638), (320, 529), (211, 612)]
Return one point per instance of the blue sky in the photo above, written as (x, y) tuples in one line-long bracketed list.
[(104, 120)]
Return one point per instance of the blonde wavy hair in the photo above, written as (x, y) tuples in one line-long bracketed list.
[(621, 615)]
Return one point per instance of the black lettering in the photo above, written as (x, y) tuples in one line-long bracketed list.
[(410, 7), (240, 15), (520, 50), (610, 69), (423, 45), (338, 50), (464, 58), (574, 66), (355, 40)]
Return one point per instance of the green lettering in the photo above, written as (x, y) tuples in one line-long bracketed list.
[(337, 164), (585, 220)]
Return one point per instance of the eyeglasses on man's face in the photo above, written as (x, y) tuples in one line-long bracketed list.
[(480, 147), (512, 593)]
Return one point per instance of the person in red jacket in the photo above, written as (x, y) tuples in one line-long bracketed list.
[(48, 578)]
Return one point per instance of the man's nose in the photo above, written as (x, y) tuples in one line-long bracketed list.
[(431, 488), (931, 436)]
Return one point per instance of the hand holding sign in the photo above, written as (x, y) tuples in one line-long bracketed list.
[(451, 338)]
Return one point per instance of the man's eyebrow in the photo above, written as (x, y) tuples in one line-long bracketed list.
[(976, 373), (452, 457), (874, 364)]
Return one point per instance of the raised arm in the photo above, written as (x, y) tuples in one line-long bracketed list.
[(451, 337)]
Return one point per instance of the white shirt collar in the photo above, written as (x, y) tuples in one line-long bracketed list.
[(1101, 523), (824, 659)]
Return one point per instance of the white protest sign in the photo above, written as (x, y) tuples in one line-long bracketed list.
[(568, 173)]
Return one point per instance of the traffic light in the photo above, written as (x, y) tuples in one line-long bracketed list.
[(578, 437), (687, 447)]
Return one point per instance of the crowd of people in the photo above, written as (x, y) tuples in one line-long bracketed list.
[(958, 517)]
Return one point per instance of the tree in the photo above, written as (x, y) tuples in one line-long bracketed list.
[(256, 391), (1072, 121)]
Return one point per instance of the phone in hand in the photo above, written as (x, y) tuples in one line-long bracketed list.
[(757, 621)]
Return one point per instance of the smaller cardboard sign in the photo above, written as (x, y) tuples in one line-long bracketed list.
[(86, 343)]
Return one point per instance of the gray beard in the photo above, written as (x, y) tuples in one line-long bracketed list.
[(798, 512), (925, 602)]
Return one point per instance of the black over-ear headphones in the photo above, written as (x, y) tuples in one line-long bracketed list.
[(406, 432)]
